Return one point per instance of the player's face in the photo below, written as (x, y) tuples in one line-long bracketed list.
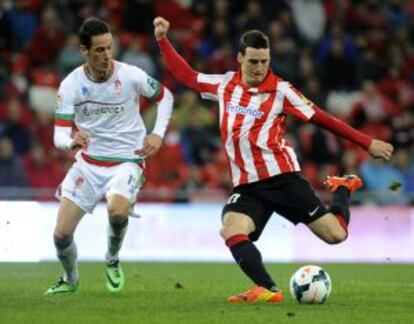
[(99, 55), (254, 65)]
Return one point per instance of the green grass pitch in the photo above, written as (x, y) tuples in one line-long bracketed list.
[(196, 293)]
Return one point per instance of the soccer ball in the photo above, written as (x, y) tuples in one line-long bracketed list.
[(310, 285)]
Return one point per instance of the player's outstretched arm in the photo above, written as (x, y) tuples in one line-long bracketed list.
[(174, 61), (376, 148)]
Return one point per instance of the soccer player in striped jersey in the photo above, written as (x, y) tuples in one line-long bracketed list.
[(98, 112), (254, 104)]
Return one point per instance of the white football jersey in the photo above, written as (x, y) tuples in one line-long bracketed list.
[(108, 111)]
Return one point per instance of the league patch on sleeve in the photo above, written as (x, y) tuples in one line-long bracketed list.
[(58, 101), (155, 85)]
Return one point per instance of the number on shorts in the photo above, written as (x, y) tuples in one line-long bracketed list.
[(233, 198)]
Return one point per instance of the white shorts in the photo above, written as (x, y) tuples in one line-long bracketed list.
[(86, 184)]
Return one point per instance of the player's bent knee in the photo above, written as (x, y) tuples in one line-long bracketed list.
[(62, 240), (118, 214)]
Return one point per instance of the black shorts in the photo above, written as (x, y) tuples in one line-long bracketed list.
[(288, 194)]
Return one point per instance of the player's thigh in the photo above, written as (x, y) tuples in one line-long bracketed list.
[(81, 186), (244, 214), (293, 198), (69, 215), (123, 187), (328, 229)]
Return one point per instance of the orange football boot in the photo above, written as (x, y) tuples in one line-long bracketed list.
[(257, 295), (352, 182)]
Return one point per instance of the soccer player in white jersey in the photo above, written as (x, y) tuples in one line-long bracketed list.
[(98, 101), (254, 104)]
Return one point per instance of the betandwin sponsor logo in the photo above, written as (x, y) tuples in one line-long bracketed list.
[(233, 108), (107, 110), (103, 110)]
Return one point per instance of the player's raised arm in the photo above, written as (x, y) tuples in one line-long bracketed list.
[(178, 66), (296, 104)]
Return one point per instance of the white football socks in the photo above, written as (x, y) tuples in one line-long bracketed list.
[(68, 257)]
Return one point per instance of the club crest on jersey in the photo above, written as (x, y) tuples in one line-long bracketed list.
[(78, 182), (234, 108), (85, 91), (118, 87)]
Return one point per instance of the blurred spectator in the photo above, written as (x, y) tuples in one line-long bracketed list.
[(284, 53), (403, 130), (222, 59), (48, 39), (319, 146), (372, 106), (395, 14), (252, 17), (304, 70), (14, 126), (378, 176), (198, 128), (370, 15), (339, 69), (43, 91), (41, 171), (4, 75), (23, 24), (218, 34), (397, 88), (371, 21), (336, 33), (18, 82), (11, 170), (369, 67), (402, 161), (313, 91), (135, 55), (138, 15), (6, 33), (70, 57), (199, 142), (310, 19), (43, 129)]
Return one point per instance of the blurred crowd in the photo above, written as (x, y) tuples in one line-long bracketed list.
[(354, 59)]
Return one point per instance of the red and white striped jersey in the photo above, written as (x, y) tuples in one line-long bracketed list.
[(252, 123), (253, 119)]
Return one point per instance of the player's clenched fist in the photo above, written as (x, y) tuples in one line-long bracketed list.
[(381, 150), (161, 27), (152, 144), (80, 139)]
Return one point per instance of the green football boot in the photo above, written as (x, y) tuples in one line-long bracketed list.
[(115, 278), (62, 287)]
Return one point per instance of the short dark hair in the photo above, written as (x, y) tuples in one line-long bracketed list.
[(92, 26), (253, 38)]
